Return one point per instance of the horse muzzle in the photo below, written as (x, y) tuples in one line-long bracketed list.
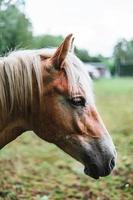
[(99, 160), (96, 170)]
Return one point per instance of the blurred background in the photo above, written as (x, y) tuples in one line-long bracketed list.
[(33, 169)]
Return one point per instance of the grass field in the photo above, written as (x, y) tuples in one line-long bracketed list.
[(31, 169)]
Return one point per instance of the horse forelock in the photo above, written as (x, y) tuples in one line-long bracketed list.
[(79, 80)]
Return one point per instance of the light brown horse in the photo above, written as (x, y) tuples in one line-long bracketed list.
[(49, 92)]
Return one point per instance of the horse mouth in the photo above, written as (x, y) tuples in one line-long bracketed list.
[(91, 172), (95, 172)]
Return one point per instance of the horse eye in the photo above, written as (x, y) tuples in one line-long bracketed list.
[(78, 101)]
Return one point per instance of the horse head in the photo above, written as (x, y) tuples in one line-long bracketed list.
[(68, 116)]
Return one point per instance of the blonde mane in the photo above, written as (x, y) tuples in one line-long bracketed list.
[(16, 72)]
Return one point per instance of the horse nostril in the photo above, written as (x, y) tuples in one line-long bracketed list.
[(112, 163)]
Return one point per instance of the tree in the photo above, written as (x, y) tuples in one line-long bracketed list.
[(82, 54), (4, 4), (46, 41), (123, 57), (15, 28)]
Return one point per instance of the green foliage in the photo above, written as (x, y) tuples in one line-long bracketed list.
[(82, 54), (45, 41), (85, 57), (97, 58), (123, 56), (15, 29), (109, 62), (4, 4)]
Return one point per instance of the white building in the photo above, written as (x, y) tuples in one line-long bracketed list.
[(97, 70)]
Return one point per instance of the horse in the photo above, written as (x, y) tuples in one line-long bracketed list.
[(49, 92)]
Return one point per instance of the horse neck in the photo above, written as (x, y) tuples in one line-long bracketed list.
[(17, 124), (11, 130)]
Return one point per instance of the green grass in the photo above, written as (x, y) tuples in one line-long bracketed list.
[(31, 169)]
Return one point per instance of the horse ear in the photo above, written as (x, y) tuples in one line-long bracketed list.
[(72, 45), (59, 56)]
